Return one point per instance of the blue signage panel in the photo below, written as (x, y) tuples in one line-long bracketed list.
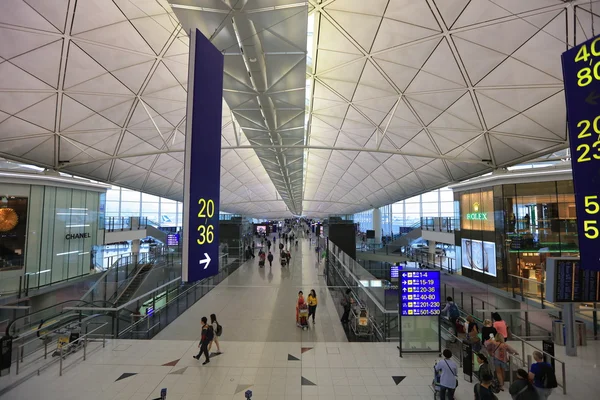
[(419, 293), (581, 73), (202, 159)]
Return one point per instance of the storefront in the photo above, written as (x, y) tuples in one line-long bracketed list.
[(511, 222), (49, 227)]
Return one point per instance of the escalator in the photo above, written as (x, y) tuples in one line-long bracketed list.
[(133, 285)]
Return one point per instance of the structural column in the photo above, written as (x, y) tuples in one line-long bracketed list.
[(377, 224), (135, 246)]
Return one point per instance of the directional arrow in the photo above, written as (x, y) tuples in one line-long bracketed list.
[(591, 98), (205, 261)]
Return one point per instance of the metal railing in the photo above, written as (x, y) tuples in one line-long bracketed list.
[(116, 224), (527, 350), (439, 224), (49, 339), (341, 273), (481, 309)]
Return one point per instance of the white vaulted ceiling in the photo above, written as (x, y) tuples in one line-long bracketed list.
[(403, 96)]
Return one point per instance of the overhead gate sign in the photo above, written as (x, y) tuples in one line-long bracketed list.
[(202, 182)]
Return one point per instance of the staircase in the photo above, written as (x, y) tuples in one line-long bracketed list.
[(134, 285)]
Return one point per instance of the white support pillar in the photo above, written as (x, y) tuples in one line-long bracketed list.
[(377, 224), (135, 246)]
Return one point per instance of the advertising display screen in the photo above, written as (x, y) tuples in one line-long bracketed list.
[(420, 293), (581, 76), (261, 229), (479, 256)]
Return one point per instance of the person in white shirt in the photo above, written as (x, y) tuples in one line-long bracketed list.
[(448, 375)]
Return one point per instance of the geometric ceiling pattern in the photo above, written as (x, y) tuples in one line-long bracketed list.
[(97, 88), (433, 91), (264, 44), (404, 96)]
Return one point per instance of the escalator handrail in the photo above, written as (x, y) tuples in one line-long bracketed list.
[(87, 303)]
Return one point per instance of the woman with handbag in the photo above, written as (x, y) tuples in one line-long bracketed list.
[(500, 350)]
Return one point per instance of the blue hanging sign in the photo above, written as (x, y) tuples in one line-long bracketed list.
[(202, 160), (581, 75), (419, 293)]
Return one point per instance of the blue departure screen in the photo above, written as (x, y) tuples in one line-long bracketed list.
[(419, 293), (581, 73)]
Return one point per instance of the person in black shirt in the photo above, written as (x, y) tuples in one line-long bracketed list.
[(521, 388), (487, 330), (482, 390)]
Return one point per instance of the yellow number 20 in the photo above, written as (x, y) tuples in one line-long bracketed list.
[(590, 226)]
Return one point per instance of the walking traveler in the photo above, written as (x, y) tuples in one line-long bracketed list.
[(542, 375), (484, 367), (482, 390), (521, 388), (270, 259), (217, 330), (312, 304), (488, 331), (500, 325), (347, 305), (205, 339), (499, 350), (452, 311), (268, 245), (448, 375)]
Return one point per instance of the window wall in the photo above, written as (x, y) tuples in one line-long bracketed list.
[(402, 215), (121, 202)]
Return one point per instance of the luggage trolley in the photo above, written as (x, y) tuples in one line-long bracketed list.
[(435, 384), (303, 316), (67, 339), (361, 323)]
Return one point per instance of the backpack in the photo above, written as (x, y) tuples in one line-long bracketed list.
[(453, 311), (548, 377), (219, 330), (210, 333)]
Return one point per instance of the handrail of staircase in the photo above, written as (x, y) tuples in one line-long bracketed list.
[(119, 293)]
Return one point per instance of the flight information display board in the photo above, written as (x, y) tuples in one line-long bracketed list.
[(581, 75), (173, 239), (567, 282), (419, 293)]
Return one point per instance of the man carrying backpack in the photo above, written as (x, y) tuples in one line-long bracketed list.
[(542, 375), (208, 334), (452, 310)]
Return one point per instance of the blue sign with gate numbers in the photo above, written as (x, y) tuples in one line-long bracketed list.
[(419, 293), (203, 159), (581, 74)]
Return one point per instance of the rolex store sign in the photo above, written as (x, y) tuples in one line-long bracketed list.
[(71, 236), (477, 211)]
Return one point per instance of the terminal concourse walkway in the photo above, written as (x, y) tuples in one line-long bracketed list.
[(264, 352), (258, 304)]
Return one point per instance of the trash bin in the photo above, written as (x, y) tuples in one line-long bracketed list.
[(559, 335), (5, 355)]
